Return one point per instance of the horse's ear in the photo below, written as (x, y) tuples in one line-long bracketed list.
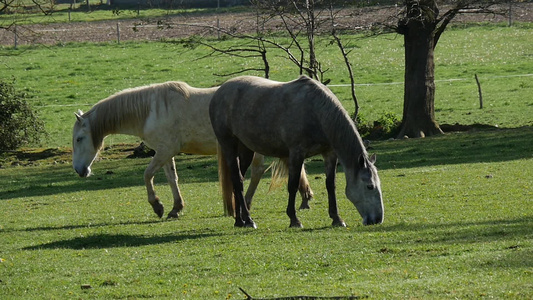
[(372, 158), (362, 161), (78, 115)]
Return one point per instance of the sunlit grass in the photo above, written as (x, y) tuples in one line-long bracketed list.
[(456, 228)]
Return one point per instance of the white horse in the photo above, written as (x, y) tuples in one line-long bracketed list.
[(171, 118)]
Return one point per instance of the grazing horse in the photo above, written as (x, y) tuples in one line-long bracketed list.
[(292, 121), (171, 117)]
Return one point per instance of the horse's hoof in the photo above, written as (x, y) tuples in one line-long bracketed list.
[(250, 225), (305, 206), (245, 224), (296, 224), (172, 215), (338, 223), (158, 208), (238, 223)]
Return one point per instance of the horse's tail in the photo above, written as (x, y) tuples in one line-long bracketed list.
[(224, 178), (280, 172)]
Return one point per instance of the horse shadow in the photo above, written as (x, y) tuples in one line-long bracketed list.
[(106, 241), (80, 226), (463, 232), (59, 179)]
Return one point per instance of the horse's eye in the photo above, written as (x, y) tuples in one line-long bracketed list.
[(79, 139), (370, 186)]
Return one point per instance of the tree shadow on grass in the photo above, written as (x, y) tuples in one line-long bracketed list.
[(457, 148), (464, 232), (104, 240), (453, 148), (474, 146)]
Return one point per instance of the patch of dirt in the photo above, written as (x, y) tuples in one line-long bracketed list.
[(186, 25)]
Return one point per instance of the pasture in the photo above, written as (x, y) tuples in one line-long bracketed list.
[(63, 78), (458, 217), (457, 224)]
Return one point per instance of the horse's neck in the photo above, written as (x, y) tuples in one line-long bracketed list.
[(345, 140), (107, 123)]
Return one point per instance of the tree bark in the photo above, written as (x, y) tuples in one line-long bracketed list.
[(418, 29)]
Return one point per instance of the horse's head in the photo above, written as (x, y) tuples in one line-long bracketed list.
[(83, 149), (363, 189)]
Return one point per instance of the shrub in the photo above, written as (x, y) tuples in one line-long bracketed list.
[(384, 127), (19, 124)]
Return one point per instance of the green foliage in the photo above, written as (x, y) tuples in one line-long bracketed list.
[(19, 124), (385, 126)]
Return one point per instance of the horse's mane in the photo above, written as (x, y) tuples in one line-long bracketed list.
[(130, 107), (335, 121)]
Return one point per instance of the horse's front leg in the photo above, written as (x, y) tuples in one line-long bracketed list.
[(172, 177), (154, 165), (330, 162), (295, 169), (305, 189)]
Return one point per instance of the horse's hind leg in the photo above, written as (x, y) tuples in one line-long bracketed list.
[(295, 170), (305, 189), (154, 165), (257, 171), (172, 177), (237, 163)]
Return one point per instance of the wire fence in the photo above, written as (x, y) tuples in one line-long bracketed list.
[(451, 80)]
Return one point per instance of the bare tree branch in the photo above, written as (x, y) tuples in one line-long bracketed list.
[(347, 62), (5, 4)]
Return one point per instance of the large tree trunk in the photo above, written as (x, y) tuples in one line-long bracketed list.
[(419, 94)]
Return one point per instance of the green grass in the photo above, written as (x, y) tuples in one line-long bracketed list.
[(456, 226), (458, 214), (64, 78), (97, 12)]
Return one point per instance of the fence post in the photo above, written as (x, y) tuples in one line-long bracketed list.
[(479, 92), (16, 38), (118, 32), (510, 13), (218, 19)]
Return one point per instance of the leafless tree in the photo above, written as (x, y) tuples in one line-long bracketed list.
[(302, 21)]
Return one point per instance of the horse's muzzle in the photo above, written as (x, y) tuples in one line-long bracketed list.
[(373, 220), (83, 172)]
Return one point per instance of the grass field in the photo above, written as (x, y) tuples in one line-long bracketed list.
[(458, 225), (458, 207)]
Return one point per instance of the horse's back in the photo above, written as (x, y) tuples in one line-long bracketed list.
[(183, 124), (267, 116)]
